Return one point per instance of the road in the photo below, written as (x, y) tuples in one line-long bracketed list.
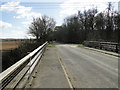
[(87, 68)]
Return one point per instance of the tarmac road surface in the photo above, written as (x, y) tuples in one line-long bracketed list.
[(88, 68)]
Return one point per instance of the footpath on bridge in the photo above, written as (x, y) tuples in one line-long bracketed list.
[(49, 72)]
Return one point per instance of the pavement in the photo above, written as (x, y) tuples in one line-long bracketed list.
[(67, 65), (50, 73)]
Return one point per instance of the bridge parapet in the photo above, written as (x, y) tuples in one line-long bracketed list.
[(23, 67), (110, 46)]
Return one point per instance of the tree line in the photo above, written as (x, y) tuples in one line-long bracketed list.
[(90, 25)]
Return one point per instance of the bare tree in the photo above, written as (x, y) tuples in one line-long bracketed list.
[(41, 26)]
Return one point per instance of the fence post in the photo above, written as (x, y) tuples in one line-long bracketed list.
[(29, 68)]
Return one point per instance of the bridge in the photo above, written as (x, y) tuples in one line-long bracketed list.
[(63, 66)]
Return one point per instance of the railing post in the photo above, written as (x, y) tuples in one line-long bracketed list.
[(29, 69), (116, 48), (100, 46)]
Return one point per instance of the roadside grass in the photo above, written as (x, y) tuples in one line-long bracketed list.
[(51, 45), (81, 45)]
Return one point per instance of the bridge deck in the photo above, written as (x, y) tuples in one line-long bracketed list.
[(49, 72)]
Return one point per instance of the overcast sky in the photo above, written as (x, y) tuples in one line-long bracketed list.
[(16, 15)]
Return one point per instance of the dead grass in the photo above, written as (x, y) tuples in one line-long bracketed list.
[(9, 45)]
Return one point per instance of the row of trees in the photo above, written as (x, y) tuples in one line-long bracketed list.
[(90, 25), (87, 25)]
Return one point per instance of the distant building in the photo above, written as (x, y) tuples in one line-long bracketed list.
[(119, 6)]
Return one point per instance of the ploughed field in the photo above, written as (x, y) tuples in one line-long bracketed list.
[(9, 45)]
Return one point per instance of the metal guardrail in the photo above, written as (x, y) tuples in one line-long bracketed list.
[(31, 59), (110, 46)]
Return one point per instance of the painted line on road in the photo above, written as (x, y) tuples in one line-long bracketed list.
[(65, 72)]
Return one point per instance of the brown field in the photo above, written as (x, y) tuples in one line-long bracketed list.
[(9, 45)]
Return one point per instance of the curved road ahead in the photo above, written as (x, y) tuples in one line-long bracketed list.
[(87, 68)]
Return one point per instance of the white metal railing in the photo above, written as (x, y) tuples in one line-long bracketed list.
[(7, 73)]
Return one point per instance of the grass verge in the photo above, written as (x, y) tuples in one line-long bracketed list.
[(51, 45), (81, 45)]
